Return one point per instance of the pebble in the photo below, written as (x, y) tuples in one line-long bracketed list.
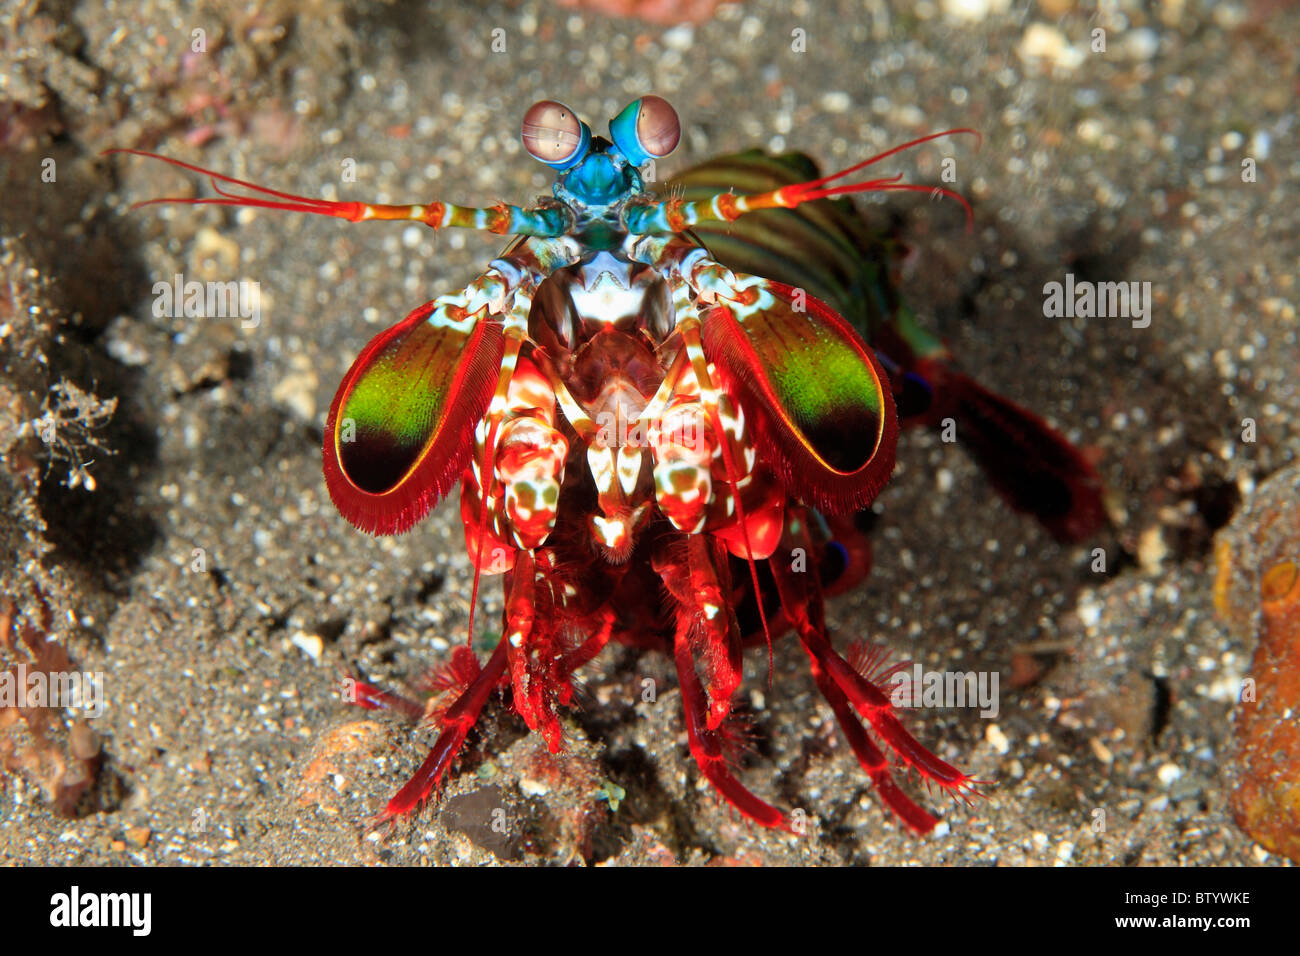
[(121, 348), (534, 788), (680, 38), (997, 739), (973, 11), (1047, 43), (1260, 143), (297, 391), (836, 101), (309, 644), (1141, 44), (221, 251), (1151, 549), (1090, 611)]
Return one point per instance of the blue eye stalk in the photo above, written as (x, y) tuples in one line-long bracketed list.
[(596, 176)]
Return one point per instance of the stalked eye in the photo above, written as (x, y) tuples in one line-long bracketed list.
[(555, 136), (647, 128)]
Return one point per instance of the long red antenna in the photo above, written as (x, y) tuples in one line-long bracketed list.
[(674, 215), (503, 219)]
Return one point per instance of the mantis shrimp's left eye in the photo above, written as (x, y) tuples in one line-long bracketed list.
[(647, 128), (554, 135)]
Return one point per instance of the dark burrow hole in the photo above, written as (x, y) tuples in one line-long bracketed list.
[(1217, 501), (1162, 706)]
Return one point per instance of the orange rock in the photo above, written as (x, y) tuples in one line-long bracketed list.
[(1258, 579), (330, 756)]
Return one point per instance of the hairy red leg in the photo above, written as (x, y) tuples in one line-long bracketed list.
[(706, 744), (584, 653), (532, 647), (846, 690), (704, 618), (456, 724), (869, 755)]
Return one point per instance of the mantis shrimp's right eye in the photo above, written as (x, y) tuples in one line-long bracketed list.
[(554, 135), (647, 128)]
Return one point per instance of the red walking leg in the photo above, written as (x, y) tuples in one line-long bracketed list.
[(704, 619), (706, 745), (533, 649), (846, 690), (456, 724)]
